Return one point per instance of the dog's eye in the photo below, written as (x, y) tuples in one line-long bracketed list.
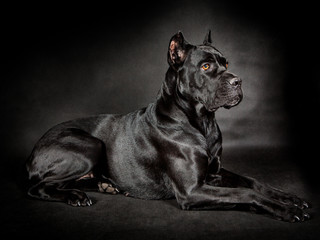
[(205, 66), (227, 65)]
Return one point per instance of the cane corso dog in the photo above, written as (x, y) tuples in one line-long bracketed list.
[(170, 149)]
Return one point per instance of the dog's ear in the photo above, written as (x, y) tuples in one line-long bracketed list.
[(177, 50), (207, 40)]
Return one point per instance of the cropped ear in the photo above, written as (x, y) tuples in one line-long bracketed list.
[(177, 50), (207, 40)]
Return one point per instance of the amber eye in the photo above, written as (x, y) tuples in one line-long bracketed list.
[(227, 65), (205, 66)]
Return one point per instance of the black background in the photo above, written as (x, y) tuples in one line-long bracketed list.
[(62, 62)]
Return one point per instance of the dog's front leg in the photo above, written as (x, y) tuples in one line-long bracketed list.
[(207, 197), (230, 179)]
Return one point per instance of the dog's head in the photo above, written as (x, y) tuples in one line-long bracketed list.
[(202, 74)]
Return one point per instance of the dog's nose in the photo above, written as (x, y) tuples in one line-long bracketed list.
[(235, 81)]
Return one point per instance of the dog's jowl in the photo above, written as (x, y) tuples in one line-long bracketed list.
[(170, 149)]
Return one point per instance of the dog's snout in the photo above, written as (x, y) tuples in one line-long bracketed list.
[(235, 81)]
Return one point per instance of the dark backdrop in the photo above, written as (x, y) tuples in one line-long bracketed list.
[(62, 62)]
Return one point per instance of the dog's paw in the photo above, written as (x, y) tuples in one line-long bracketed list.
[(293, 200), (295, 214), (77, 198), (107, 188), (300, 203)]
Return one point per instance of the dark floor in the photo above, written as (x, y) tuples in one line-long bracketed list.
[(118, 217)]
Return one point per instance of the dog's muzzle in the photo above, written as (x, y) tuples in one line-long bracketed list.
[(235, 93)]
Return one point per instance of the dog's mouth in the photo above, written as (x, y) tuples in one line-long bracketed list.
[(231, 103), (234, 103)]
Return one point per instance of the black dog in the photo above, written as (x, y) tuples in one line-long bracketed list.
[(169, 149)]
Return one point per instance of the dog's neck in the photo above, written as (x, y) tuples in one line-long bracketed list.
[(172, 104)]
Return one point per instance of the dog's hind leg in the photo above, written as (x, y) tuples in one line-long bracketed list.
[(56, 192), (60, 158)]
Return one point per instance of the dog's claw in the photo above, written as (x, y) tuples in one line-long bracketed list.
[(126, 194), (305, 205), (89, 203), (306, 216), (296, 218)]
